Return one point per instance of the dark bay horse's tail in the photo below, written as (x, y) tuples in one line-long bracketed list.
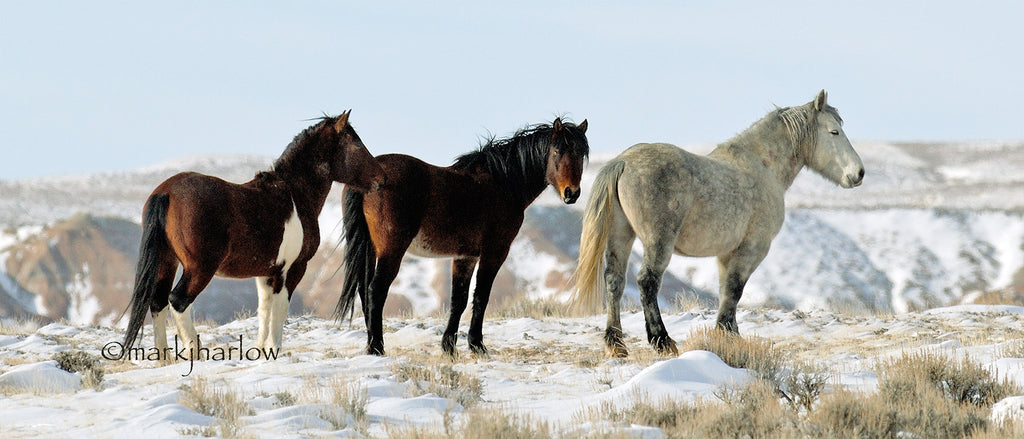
[(360, 255), (586, 280), (154, 245)]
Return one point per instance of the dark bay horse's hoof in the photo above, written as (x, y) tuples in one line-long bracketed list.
[(448, 346), (375, 350), (479, 350)]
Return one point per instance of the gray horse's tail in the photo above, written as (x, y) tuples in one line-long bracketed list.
[(587, 288)]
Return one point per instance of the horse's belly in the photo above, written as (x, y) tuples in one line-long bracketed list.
[(433, 247), (703, 241), (248, 261)]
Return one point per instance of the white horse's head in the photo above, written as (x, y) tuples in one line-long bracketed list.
[(832, 155)]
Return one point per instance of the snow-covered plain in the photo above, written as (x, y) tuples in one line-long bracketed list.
[(550, 370)]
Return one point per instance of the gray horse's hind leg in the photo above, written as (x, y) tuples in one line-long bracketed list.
[(656, 258), (620, 243), (733, 272)]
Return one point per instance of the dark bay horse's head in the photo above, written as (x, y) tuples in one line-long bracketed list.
[(832, 155), (349, 160), (568, 148)]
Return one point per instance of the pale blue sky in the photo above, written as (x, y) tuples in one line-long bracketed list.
[(99, 86)]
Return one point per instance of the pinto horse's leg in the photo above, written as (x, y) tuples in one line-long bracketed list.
[(656, 258), (159, 304), (264, 293), (733, 271), (620, 243), (160, 332), (181, 297), (462, 273)]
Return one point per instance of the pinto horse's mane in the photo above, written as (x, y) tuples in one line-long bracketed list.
[(519, 162)]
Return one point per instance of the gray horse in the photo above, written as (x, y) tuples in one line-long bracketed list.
[(727, 204)]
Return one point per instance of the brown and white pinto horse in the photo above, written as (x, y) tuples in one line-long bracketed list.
[(266, 228), (469, 211)]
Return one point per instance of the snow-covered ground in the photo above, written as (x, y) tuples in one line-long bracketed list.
[(552, 370)]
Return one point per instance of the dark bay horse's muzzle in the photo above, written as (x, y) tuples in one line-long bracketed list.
[(570, 195)]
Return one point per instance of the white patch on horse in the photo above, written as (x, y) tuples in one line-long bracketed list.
[(291, 243)]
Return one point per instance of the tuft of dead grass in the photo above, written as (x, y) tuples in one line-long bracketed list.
[(84, 364), (482, 423), (754, 353), (441, 379), (221, 403)]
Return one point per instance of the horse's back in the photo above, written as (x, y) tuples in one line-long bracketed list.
[(704, 203)]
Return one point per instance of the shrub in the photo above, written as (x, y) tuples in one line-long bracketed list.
[(82, 363)]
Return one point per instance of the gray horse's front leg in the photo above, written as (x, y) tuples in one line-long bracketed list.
[(733, 272), (729, 296)]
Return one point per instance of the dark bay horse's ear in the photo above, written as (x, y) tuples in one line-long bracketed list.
[(556, 126), (583, 126), (339, 125), (820, 101)]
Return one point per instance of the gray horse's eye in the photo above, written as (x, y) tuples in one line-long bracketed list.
[(834, 132)]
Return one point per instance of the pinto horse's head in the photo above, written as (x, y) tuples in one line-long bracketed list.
[(352, 164), (566, 153)]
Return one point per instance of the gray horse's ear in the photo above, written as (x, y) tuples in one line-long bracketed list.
[(339, 125), (820, 101), (583, 126)]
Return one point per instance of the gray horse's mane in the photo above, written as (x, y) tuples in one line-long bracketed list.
[(797, 120)]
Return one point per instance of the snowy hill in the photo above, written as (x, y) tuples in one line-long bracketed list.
[(933, 225)]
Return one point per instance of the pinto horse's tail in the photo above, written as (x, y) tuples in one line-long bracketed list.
[(153, 246), (360, 255), (586, 280)]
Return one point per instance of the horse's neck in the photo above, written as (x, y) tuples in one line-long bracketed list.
[(308, 192), (779, 155)]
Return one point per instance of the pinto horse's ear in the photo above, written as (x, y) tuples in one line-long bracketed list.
[(820, 101), (339, 125), (583, 126)]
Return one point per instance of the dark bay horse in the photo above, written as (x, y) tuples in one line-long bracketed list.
[(470, 211), (266, 228), (727, 204)]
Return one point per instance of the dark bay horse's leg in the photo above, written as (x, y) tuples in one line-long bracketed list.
[(493, 256), (656, 258), (462, 273), (733, 271), (387, 269), (620, 243)]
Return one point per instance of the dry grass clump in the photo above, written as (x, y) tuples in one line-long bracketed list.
[(482, 423), (919, 395), (754, 353), (346, 401), (537, 309), (82, 363), (441, 379), (221, 403), (750, 411)]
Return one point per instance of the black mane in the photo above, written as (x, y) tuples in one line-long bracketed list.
[(310, 137), (520, 162)]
